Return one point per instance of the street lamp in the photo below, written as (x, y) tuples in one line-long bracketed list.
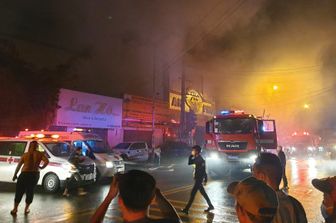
[(306, 106), (275, 87)]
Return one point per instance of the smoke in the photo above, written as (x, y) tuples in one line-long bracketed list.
[(241, 47), (289, 44)]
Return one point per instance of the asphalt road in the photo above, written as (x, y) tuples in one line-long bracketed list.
[(175, 180)]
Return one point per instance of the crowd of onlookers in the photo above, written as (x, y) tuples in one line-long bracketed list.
[(258, 199)]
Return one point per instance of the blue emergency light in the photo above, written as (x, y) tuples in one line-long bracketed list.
[(225, 112)]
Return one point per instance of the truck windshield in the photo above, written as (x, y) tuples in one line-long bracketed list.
[(59, 149), (97, 146), (233, 125), (122, 146)]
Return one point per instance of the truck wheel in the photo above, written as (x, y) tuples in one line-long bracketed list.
[(51, 183)]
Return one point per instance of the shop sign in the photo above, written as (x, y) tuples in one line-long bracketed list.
[(79, 109), (194, 102)]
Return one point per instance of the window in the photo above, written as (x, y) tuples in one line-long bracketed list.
[(12, 148), (59, 149), (268, 126), (234, 125), (122, 146), (138, 146), (40, 148), (97, 146)]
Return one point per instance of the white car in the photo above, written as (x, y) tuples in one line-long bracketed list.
[(108, 163), (135, 151), (59, 168)]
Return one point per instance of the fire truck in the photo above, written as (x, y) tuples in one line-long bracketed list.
[(303, 144), (236, 137)]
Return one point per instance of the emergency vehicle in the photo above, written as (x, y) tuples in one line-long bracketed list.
[(303, 143), (57, 171), (108, 163), (234, 136)]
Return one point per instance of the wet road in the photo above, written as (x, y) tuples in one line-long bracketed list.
[(176, 182)]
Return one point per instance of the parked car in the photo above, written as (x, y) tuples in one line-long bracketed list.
[(134, 151), (59, 168)]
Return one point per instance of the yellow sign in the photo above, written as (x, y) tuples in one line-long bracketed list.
[(194, 102)]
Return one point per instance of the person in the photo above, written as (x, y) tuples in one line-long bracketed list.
[(137, 190), (89, 153), (157, 155), (31, 163), (256, 202), (200, 177), (75, 158), (328, 206), (282, 158), (268, 168)]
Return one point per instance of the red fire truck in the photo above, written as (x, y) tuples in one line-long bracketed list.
[(234, 136), (303, 144)]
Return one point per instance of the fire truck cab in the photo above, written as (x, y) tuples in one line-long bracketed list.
[(234, 136)]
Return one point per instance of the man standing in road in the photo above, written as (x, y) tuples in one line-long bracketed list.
[(282, 158), (200, 177), (157, 155)]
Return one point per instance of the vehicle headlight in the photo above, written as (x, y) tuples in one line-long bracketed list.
[(253, 158), (69, 167), (109, 164), (214, 156)]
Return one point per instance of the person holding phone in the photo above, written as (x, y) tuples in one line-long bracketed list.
[(137, 191), (200, 177)]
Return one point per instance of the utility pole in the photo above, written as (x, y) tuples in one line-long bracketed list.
[(183, 101), (153, 98)]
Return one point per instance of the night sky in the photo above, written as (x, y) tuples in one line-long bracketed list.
[(243, 47)]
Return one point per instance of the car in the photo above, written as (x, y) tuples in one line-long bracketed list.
[(132, 151), (107, 162), (53, 177)]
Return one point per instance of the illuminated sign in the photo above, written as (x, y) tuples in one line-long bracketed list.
[(79, 109), (194, 102)]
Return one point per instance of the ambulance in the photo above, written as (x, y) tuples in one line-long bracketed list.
[(107, 162), (52, 177)]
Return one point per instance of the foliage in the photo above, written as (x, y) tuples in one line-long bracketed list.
[(28, 94)]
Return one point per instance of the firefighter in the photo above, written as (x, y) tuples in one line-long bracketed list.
[(200, 177)]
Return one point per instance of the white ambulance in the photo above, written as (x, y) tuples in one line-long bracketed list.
[(59, 168), (107, 162)]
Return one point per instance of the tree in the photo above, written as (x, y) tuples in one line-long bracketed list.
[(28, 94)]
